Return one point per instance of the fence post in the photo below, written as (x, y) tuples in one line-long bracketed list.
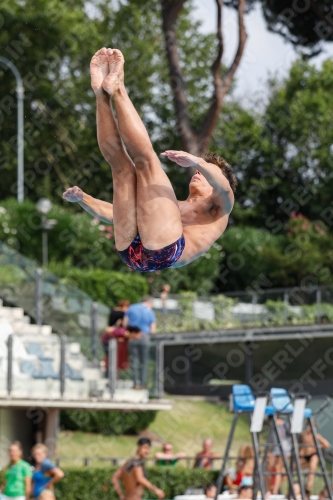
[(39, 296), (10, 341), (286, 304), (112, 366), (94, 307), (248, 361), (254, 301), (63, 340), (318, 300), (160, 370)]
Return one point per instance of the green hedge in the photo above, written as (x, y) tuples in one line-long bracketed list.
[(88, 483), (103, 422), (108, 287)]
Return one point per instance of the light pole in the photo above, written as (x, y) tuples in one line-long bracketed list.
[(44, 206), (20, 127)]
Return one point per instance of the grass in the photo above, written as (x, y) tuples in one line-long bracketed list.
[(185, 426)]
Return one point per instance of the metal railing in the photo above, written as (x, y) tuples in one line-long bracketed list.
[(60, 379), (186, 462), (48, 299), (189, 312), (71, 312)]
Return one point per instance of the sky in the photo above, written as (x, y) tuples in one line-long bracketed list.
[(265, 53)]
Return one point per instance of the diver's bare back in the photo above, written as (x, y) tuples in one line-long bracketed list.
[(133, 490), (203, 223)]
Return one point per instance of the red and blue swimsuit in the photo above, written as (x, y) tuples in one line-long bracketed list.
[(139, 258)]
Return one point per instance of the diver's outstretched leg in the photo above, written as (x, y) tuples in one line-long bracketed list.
[(113, 150), (158, 215)]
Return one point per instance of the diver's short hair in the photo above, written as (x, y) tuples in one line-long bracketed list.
[(226, 169)]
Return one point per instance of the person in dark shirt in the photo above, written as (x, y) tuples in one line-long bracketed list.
[(116, 320), (117, 313)]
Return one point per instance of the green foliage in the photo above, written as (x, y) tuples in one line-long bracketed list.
[(87, 483), (104, 286), (281, 155), (78, 240), (11, 274), (76, 237), (284, 158), (102, 422), (200, 275), (256, 258), (46, 40)]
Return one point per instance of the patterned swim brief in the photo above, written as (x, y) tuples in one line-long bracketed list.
[(141, 259)]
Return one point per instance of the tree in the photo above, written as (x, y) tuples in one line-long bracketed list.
[(307, 24), (51, 43), (284, 159), (196, 139)]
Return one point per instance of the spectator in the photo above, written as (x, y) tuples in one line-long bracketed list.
[(141, 316), (117, 313), (308, 454), (233, 478), (164, 297), (284, 432), (18, 473), (245, 492), (210, 490), (116, 319), (45, 474), (122, 336), (204, 459), (297, 491), (323, 494), (167, 457), (246, 452), (270, 467)]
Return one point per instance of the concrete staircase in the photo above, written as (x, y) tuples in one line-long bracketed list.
[(90, 383)]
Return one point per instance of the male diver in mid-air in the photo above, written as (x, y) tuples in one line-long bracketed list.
[(153, 230)]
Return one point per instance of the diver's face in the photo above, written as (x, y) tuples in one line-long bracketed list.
[(144, 450), (199, 184)]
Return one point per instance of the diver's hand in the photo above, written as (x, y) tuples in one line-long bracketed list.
[(182, 158), (73, 194)]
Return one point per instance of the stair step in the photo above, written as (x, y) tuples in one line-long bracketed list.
[(11, 312), (91, 374), (27, 329), (128, 395), (18, 322), (124, 384)]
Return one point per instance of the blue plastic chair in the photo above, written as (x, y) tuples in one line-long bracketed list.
[(72, 374), (282, 403), (28, 367), (244, 400), (36, 349), (46, 371)]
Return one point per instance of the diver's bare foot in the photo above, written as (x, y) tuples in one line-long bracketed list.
[(115, 78), (99, 69)]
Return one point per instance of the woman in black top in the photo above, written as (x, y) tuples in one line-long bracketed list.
[(117, 313)]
